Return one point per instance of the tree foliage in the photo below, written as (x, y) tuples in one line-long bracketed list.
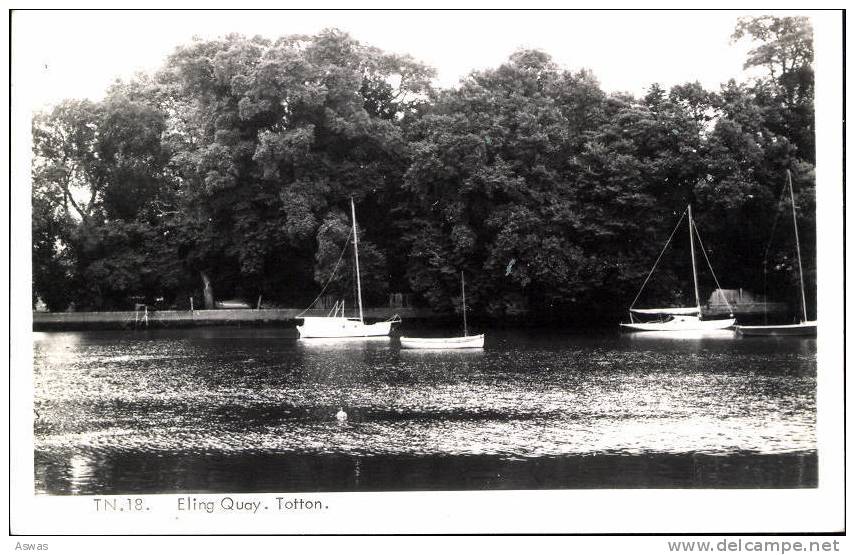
[(785, 51), (235, 164)]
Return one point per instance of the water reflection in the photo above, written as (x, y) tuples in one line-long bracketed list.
[(80, 472), (125, 473), (115, 407), (342, 343), (442, 353), (681, 335)]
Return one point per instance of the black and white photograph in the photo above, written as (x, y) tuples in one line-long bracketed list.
[(397, 272)]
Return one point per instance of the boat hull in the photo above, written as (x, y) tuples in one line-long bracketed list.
[(681, 324), (335, 327), (468, 342), (805, 329)]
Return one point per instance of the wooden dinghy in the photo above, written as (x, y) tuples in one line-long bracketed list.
[(465, 342), (806, 329)]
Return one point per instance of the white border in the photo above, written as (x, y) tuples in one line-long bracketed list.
[(571, 511)]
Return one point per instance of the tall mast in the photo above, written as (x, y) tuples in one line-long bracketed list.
[(463, 290), (694, 268), (356, 257), (798, 248)]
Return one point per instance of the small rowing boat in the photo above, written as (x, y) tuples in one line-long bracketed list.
[(465, 342)]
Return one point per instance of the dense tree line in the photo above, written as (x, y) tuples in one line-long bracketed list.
[(228, 173)]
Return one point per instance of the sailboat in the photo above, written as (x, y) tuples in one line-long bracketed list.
[(677, 319), (465, 342), (805, 327), (337, 325)]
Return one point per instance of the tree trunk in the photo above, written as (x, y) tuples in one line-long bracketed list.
[(207, 291)]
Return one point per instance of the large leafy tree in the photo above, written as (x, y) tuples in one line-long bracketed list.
[(496, 190), (784, 51), (63, 192), (98, 168), (279, 135), (64, 160)]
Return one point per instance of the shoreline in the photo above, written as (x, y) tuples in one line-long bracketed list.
[(157, 319), (69, 321)]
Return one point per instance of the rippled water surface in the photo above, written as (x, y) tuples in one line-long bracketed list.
[(236, 409)]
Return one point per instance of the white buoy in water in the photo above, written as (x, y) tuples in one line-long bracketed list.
[(341, 416)]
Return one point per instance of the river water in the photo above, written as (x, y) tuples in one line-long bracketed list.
[(253, 410)]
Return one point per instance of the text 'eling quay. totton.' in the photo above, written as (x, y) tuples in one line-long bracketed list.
[(195, 504)]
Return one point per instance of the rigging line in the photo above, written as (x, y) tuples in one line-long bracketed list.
[(774, 223), (766, 255), (668, 242), (332, 275), (707, 258)]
